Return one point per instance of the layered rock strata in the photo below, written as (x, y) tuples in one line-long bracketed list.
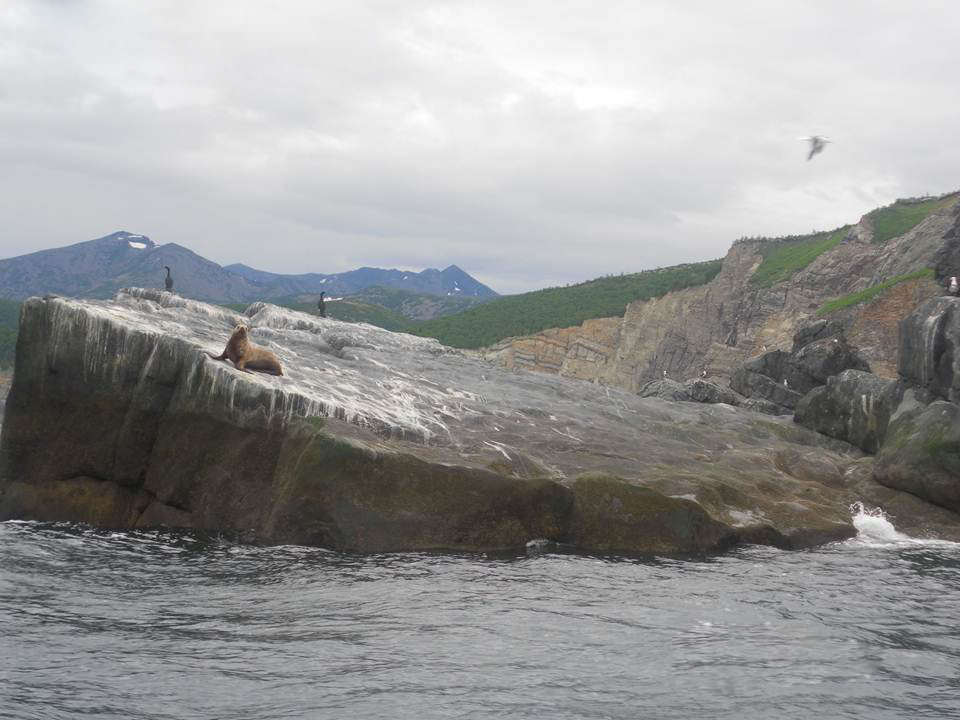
[(732, 319)]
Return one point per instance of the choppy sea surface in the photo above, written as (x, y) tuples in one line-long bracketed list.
[(164, 626)]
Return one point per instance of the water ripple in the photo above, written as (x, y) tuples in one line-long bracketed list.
[(163, 625)]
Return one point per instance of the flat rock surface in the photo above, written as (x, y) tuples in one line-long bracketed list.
[(765, 478)]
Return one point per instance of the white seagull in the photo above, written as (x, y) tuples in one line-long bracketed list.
[(817, 144)]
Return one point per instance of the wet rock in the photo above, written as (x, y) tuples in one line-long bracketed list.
[(377, 441), (929, 351), (612, 516), (921, 453), (853, 406)]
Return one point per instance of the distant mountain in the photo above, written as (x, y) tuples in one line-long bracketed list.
[(451, 281), (98, 268)]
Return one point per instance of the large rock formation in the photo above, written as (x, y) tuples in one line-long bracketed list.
[(731, 319), (929, 353), (854, 406), (921, 454), (910, 423), (377, 441), (820, 351)]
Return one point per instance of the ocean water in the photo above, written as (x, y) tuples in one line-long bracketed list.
[(169, 626)]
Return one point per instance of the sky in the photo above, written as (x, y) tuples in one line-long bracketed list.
[(532, 143)]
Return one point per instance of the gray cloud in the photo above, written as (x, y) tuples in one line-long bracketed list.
[(532, 143)]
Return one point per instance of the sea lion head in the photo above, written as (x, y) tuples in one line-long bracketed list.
[(240, 331)]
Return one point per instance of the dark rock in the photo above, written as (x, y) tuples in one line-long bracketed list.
[(818, 330), (782, 378), (610, 515), (921, 454), (946, 260), (822, 359), (763, 378), (929, 352), (696, 390), (853, 406), (704, 391), (665, 389)]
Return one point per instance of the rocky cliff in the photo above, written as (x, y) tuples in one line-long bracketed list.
[(375, 441), (718, 326), (913, 422)]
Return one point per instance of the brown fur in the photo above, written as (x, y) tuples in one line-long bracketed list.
[(246, 356)]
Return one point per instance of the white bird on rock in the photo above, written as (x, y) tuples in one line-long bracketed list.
[(817, 144)]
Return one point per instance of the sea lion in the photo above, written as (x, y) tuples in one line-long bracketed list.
[(246, 356)]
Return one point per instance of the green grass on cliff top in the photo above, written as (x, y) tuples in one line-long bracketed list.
[(782, 259), (862, 296), (895, 220), (561, 306)]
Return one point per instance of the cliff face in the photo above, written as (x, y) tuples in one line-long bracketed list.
[(913, 423), (375, 441), (719, 325)]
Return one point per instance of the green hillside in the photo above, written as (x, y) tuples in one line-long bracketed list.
[(870, 293), (354, 311), (561, 306), (414, 305), (894, 220), (785, 257), (9, 322)]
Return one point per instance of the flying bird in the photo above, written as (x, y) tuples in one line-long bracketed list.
[(817, 144)]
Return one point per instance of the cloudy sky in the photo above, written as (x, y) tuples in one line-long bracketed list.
[(533, 143)]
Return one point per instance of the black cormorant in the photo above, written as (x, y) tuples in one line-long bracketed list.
[(322, 305), (168, 282)]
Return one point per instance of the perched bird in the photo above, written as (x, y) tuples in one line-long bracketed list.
[(954, 286), (168, 282), (817, 144), (703, 373), (664, 374), (785, 383)]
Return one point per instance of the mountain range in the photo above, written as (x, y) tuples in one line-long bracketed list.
[(98, 268)]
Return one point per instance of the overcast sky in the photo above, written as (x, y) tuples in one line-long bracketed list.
[(532, 143)]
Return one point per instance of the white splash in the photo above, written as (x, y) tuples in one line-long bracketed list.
[(873, 526), (875, 529)]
